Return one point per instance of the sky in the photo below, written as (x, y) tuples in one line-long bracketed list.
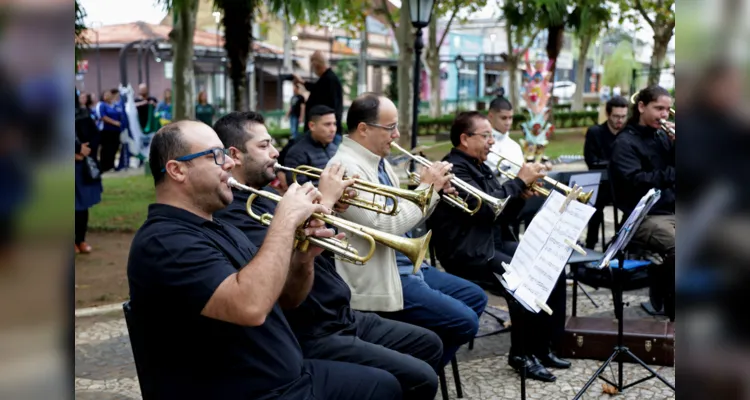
[(110, 12)]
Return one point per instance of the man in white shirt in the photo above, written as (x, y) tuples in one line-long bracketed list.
[(501, 119)]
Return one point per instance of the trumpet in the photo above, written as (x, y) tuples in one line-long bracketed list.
[(583, 197), (415, 249), (662, 122), (496, 204), (421, 198)]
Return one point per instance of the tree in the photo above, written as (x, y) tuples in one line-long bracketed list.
[(587, 20), (442, 9), (553, 17), (618, 69), (521, 26), (182, 34), (660, 16), (237, 18), (80, 27)]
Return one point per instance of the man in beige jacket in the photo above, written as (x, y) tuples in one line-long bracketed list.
[(446, 304)]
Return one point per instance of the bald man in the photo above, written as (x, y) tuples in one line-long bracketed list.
[(325, 91), (209, 302)]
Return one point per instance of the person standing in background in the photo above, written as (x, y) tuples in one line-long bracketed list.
[(143, 103), (88, 189), (108, 123), (164, 108), (204, 112), (119, 104), (325, 91), (296, 108)]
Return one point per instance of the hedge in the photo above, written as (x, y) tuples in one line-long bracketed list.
[(433, 126)]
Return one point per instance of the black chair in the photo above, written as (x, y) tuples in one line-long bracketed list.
[(139, 355), (417, 232)]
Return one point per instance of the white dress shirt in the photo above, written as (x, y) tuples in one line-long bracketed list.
[(509, 149)]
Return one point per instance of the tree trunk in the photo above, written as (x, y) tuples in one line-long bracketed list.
[(405, 38), (662, 36), (238, 27), (362, 67), (554, 45), (182, 60), (432, 60), (583, 50)]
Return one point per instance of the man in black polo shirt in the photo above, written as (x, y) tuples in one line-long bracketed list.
[(208, 302), (324, 323), (474, 246), (316, 147), (325, 91), (597, 151)]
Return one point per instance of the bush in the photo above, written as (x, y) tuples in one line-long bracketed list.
[(434, 126)]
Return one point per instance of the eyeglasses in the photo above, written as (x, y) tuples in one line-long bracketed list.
[(218, 153), (618, 117), (389, 128), (485, 136)]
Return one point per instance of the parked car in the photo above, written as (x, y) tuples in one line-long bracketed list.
[(564, 89)]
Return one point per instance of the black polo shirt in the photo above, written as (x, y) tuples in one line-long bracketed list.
[(326, 309), (177, 260), (597, 149), (308, 152)]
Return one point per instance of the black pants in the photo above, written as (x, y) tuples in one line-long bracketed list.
[(82, 224), (540, 332), (324, 379), (408, 352), (110, 143)]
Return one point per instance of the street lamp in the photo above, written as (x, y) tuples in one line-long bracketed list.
[(421, 13), (459, 61)]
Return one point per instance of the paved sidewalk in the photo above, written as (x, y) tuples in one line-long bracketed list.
[(105, 369)]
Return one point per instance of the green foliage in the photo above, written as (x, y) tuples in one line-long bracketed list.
[(347, 72), (618, 69), (80, 27), (589, 17)]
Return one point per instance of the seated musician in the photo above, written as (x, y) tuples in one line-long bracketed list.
[(597, 150), (325, 325), (500, 116), (643, 157), (208, 302), (316, 146), (474, 246), (447, 305)]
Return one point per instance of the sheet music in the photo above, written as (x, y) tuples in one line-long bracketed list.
[(543, 252), (631, 225)]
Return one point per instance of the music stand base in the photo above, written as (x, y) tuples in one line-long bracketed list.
[(622, 350)]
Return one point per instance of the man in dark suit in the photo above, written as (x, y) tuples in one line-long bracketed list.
[(597, 151), (325, 91)]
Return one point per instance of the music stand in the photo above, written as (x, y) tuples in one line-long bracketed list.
[(522, 346), (622, 237)]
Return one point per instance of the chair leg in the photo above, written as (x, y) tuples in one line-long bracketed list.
[(457, 378), (443, 385), (587, 295), (471, 344)]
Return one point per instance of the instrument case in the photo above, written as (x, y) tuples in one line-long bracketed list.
[(595, 338)]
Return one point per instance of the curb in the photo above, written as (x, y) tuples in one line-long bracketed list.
[(98, 310)]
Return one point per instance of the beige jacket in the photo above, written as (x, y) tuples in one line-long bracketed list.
[(375, 286)]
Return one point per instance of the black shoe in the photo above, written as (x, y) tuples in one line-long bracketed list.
[(550, 360), (534, 369)]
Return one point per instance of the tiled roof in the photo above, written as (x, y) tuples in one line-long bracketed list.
[(126, 33)]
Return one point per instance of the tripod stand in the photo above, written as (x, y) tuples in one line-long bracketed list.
[(620, 350)]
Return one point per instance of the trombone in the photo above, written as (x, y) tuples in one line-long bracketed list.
[(421, 198), (415, 249), (662, 122), (496, 204), (582, 197)]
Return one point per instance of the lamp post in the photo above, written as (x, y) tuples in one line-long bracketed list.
[(459, 61), (421, 13)]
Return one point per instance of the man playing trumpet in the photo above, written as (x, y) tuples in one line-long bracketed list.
[(208, 302), (324, 323), (446, 304)]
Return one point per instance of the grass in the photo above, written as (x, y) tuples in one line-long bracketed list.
[(125, 200), (124, 204)]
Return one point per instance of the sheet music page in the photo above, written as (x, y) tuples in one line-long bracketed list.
[(554, 254), (533, 241), (631, 225)]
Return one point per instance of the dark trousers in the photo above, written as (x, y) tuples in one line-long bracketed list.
[(82, 224), (410, 353), (443, 303), (323, 379), (539, 332), (110, 143)]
